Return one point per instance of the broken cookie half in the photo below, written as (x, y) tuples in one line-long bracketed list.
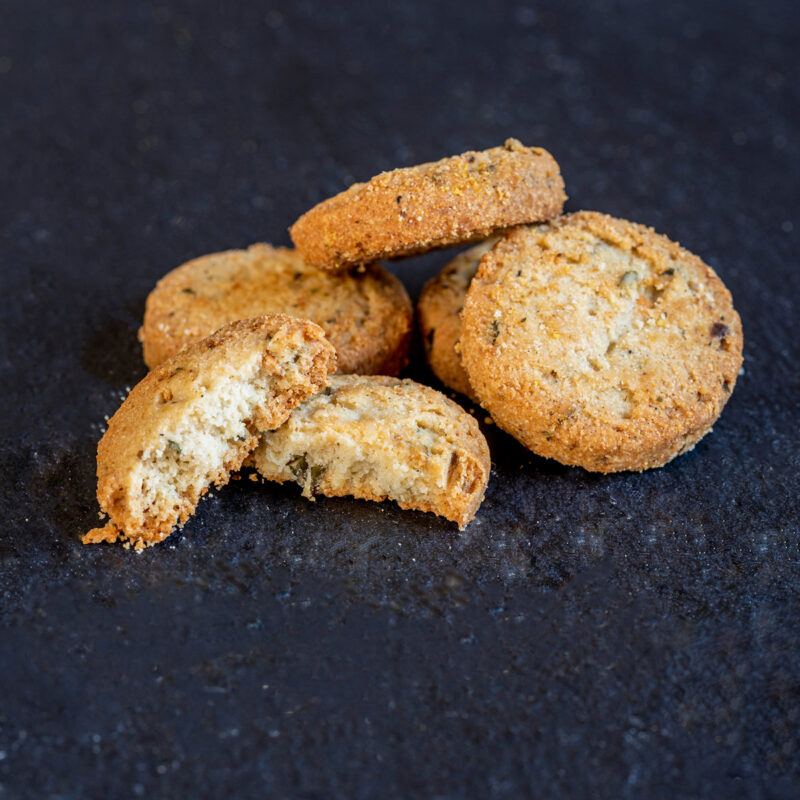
[(195, 418), (379, 438)]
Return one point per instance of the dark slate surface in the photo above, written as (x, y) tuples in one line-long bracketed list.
[(622, 636)]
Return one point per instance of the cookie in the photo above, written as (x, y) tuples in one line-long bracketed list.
[(366, 314), (381, 438), (456, 200), (439, 315), (195, 418), (600, 343)]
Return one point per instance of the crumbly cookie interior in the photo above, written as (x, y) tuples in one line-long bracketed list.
[(187, 457)]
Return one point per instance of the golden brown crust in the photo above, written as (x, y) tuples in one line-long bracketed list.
[(407, 211), (439, 316), (170, 397), (600, 343), (366, 314), (379, 438)]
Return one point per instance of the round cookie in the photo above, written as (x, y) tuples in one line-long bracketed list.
[(439, 315), (379, 438), (366, 314), (407, 211), (600, 343), (193, 420)]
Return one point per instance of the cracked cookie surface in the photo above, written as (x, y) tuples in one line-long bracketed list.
[(600, 343), (366, 314), (412, 210)]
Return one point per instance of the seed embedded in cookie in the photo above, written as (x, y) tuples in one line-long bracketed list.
[(439, 314), (379, 438), (600, 343), (196, 417), (453, 201), (366, 314)]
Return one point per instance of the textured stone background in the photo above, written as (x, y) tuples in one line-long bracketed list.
[(622, 636)]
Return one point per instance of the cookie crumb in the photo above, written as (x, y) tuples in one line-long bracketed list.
[(108, 533)]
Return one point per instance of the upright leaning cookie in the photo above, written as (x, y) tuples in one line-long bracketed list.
[(195, 417), (455, 200), (366, 314), (378, 438), (599, 343), (439, 313)]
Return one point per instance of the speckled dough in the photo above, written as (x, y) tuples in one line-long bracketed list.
[(439, 314), (195, 417), (598, 342), (366, 314), (456, 200), (378, 438)]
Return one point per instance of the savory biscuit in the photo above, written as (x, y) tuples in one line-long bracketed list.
[(600, 343), (195, 418), (439, 315), (456, 200), (377, 438), (366, 314)]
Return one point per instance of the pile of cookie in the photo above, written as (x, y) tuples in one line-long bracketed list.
[(592, 340)]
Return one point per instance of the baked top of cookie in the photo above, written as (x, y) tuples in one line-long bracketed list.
[(375, 438), (439, 314), (366, 314), (407, 211), (194, 418), (600, 343)]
